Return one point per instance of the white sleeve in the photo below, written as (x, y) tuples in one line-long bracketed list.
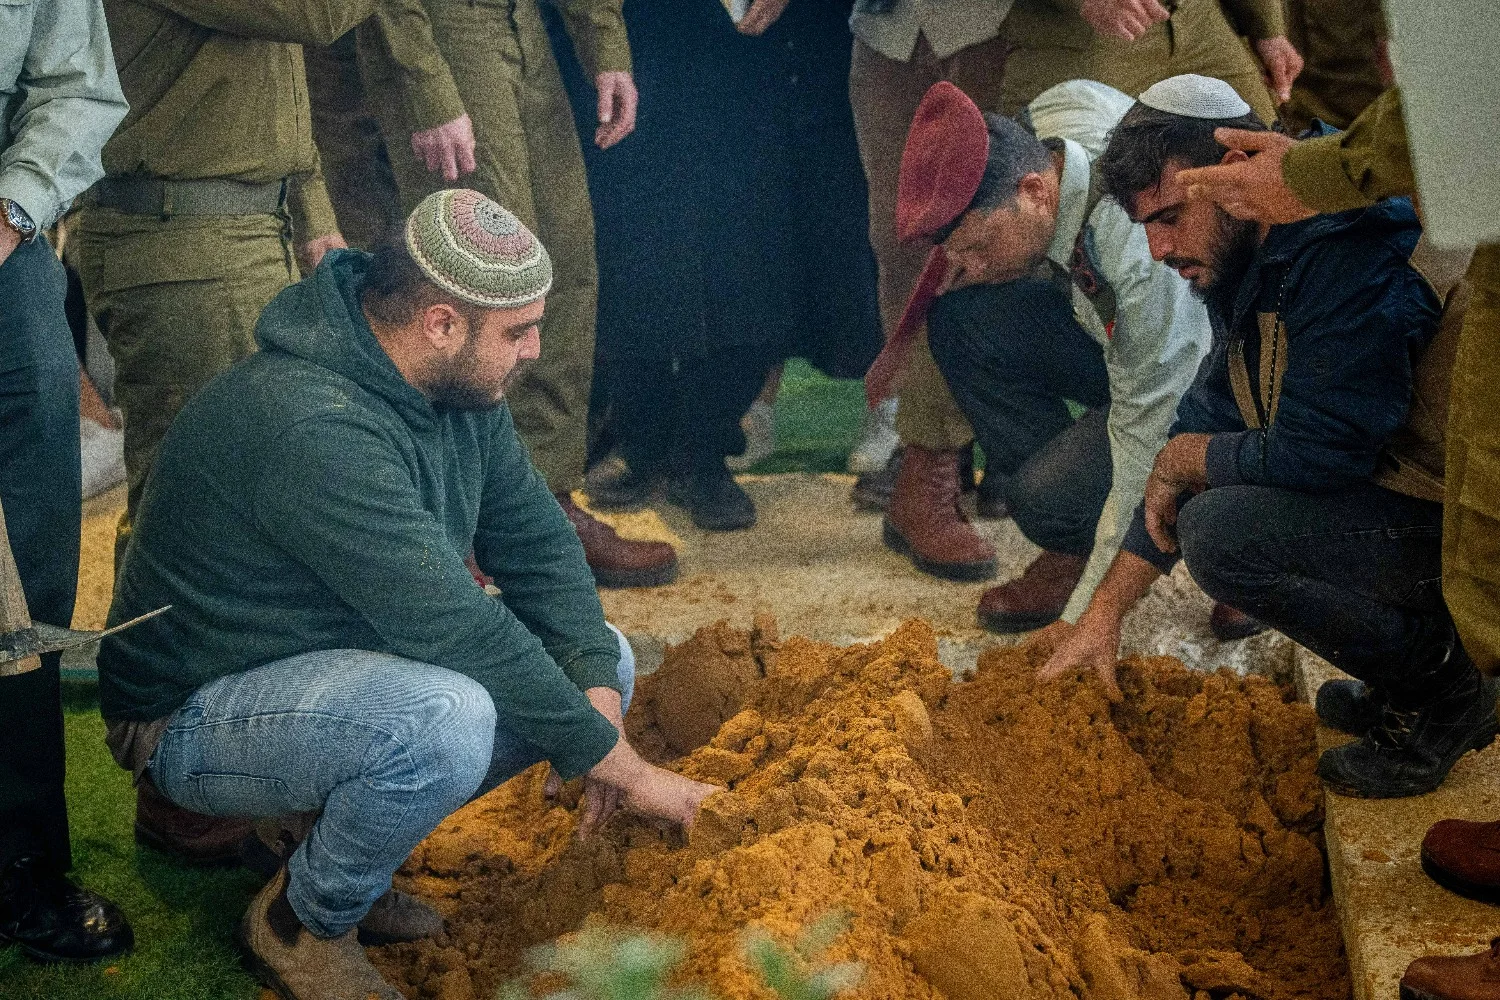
[(1160, 337)]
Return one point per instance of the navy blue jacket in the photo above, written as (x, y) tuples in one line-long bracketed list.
[(1357, 316)]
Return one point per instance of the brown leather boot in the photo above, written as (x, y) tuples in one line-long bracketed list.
[(1461, 977), (926, 523), (162, 824), (1228, 624), (616, 561), (1464, 857), (1036, 598)]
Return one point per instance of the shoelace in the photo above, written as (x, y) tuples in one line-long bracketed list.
[(1395, 728)]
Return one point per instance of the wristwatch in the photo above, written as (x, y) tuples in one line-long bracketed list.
[(15, 217)]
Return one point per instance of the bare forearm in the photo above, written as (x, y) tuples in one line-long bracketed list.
[(1127, 581)]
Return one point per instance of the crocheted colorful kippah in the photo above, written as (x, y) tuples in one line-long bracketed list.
[(476, 250)]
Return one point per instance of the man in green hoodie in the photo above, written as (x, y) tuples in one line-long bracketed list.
[(308, 519)]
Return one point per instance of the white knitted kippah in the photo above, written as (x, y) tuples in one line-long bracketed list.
[(1194, 96)]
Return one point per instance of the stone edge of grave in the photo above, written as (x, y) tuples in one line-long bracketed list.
[(1389, 910)]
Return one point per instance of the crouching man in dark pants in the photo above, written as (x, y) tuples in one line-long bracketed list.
[(309, 518), (1284, 485)]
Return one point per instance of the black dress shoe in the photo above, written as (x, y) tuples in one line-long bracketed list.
[(715, 501), (612, 485), (52, 920)]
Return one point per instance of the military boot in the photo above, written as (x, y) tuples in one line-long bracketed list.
[(298, 964), (926, 523), (1349, 706), (1463, 857), (1462, 977), (1416, 743)]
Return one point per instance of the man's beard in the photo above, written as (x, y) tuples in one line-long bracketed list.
[(451, 382), (1235, 243)]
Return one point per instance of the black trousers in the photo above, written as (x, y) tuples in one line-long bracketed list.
[(1013, 356), (41, 492), (1354, 576), (675, 415)]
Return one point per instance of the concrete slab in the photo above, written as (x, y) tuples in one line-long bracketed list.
[(820, 567), (1390, 910)]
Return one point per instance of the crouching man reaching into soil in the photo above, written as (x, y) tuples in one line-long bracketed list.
[(328, 651), (1290, 483)]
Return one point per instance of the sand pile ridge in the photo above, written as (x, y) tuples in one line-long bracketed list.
[(987, 838)]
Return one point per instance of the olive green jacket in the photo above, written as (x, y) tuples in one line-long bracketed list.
[(217, 90), (1356, 167), (1058, 23), (401, 61)]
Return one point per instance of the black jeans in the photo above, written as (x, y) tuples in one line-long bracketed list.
[(1013, 355), (41, 490), (1354, 576)]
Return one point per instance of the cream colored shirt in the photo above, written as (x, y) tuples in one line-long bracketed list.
[(949, 25)]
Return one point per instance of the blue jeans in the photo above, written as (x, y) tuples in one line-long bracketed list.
[(384, 747)]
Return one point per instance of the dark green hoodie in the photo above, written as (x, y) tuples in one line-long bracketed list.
[(310, 498)]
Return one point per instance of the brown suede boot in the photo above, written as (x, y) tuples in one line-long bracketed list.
[(298, 965), (162, 824), (1464, 857), (616, 561), (1036, 598), (1228, 624), (1461, 977), (925, 522)]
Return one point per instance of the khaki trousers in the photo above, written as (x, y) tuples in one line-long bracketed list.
[(177, 300), (1471, 514), (529, 160), (884, 94)]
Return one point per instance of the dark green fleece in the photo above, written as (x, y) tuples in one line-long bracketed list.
[(310, 498)]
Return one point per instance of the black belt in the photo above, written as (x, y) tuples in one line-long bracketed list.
[(155, 196)]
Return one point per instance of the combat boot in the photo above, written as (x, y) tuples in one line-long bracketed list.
[(1351, 707), (298, 964), (1414, 745), (1038, 597), (1461, 977), (1464, 857), (192, 837), (926, 523), (616, 561)]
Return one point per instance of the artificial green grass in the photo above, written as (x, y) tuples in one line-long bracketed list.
[(184, 917)]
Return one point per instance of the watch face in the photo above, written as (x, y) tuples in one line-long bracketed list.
[(18, 219)]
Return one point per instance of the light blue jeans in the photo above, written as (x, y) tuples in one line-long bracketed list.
[(384, 747)]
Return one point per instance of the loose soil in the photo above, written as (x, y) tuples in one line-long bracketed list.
[(988, 839)]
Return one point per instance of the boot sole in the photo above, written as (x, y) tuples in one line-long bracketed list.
[(1460, 886), (619, 505), (48, 958), (655, 576), (1012, 624), (1479, 742), (958, 572)]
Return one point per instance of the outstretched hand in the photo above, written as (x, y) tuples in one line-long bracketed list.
[(618, 101), (1092, 646), (447, 149), (1281, 63), (1123, 19), (1252, 188)]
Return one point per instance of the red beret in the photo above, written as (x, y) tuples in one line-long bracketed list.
[(943, 163)]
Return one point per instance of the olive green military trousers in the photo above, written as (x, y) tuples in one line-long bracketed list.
[(1197, 39), (1338, 39), (356, 169), (1471, 512), (177, 300), (529, 160)]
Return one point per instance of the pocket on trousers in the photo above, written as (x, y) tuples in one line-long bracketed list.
[(237, 795)]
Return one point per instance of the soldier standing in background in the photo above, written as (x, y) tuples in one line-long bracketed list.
[(488, 71), (212, 202)]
